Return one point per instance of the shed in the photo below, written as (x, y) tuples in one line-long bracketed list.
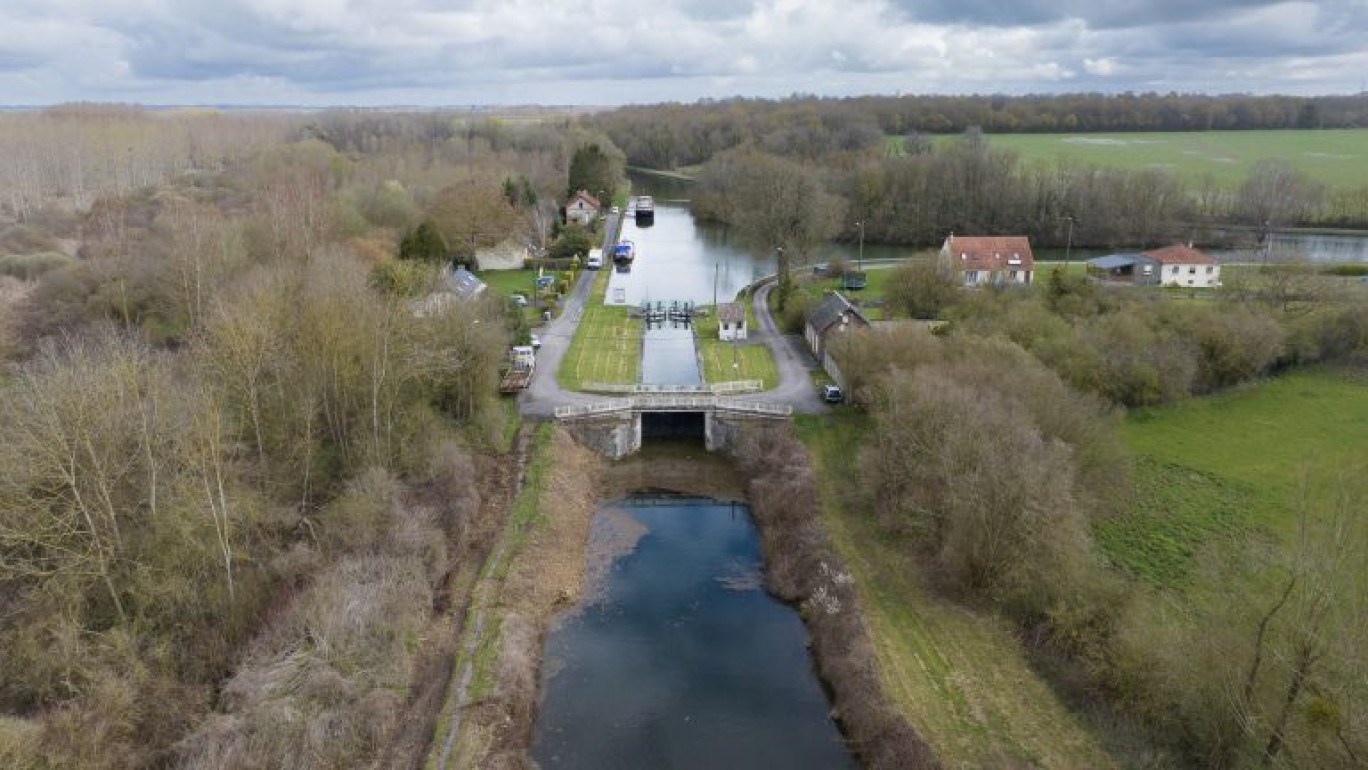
[(731, 321), (1134, 269)]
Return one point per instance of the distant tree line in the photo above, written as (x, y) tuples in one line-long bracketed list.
[(673, 135), (970, 186)]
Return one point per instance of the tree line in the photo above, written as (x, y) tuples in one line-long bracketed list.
[(970, 186), (671, 135)]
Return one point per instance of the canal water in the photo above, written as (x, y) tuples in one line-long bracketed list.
[(677, 657)]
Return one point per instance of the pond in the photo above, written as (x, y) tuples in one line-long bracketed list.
[(677, 657)]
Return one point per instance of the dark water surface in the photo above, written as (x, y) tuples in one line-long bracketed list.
[(679, 659)]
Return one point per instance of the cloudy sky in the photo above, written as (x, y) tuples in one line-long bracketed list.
[(451, 52)]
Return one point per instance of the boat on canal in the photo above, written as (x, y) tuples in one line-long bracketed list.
[(624, 252), (644, 209)]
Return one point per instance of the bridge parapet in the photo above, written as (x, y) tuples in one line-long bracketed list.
[(673, 402)]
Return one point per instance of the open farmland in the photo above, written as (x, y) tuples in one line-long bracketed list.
[(1229, 464), (1335, 157)]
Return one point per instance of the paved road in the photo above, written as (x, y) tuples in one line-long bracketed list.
[(791, 356), (545, 394)]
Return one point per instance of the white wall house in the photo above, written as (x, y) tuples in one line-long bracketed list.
[(582, 208), (731, 321), (989, 260), (1185, 266)]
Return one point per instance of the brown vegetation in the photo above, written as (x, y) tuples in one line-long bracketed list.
[(801, 567), (218, 529)]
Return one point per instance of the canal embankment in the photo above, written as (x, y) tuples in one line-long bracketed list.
[(550, 566)]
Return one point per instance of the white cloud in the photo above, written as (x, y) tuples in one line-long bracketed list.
[(615, 51), (1101, 67)]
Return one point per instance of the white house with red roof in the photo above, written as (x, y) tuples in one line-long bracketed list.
[(999, 260), (1185, 266), (582, 207)]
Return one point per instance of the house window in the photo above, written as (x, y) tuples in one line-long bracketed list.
[(1192, 271), (1210, 269), (726, 326), (971, 276)]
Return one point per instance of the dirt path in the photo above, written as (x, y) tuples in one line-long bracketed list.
[(409, 747)]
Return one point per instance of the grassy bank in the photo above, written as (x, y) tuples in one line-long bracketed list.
[(607, 343), (959, 676), (753, 360)]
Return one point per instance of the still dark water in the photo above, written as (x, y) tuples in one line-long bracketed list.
[(679, 658)]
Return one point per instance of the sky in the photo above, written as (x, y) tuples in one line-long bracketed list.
[(609, 52)]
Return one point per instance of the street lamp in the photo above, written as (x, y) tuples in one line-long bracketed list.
[(860, 259)]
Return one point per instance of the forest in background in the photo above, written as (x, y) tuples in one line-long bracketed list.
[(875, 157)]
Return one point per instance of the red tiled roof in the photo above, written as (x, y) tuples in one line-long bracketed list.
[(1005, 252), (591, 200), (1178, 254)]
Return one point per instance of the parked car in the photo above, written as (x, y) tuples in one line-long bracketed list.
[(832, 394), (535, 342), (520, 300)]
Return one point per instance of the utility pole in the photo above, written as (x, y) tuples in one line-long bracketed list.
[(1068, 243)]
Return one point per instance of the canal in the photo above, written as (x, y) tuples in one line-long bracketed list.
[(677, 657)]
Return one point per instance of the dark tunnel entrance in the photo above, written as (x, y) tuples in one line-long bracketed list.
[(673, 425)]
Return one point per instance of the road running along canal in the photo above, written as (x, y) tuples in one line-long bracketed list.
[(677, 657)]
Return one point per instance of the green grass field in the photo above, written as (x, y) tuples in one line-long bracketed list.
[(960, 676), (607, 343), (1335, 157), (755, 362), (1210, 470)]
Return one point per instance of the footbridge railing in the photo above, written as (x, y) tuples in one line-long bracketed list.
[(672, 402), (717, 389)]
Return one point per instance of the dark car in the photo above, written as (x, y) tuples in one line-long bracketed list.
[(832, 394)]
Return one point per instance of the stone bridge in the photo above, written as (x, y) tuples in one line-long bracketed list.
[(617, 426)]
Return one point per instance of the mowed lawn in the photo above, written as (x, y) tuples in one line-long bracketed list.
[(1230, 465), (1335, 157), (754, 360), (607, 343), (960, 676)]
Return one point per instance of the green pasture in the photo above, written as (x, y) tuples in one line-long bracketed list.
[(1336, 157), (1217, 469)]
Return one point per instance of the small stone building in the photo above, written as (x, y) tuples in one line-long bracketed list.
[(731, 321)]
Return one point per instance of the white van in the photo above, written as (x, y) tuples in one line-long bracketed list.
[(595, 260)]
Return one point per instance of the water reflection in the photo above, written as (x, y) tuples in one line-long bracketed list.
[(679, 659)]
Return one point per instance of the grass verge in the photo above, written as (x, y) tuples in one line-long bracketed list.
[(753, 360), (607, 343)]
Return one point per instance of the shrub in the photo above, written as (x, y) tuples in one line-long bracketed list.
[(29, 267)]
